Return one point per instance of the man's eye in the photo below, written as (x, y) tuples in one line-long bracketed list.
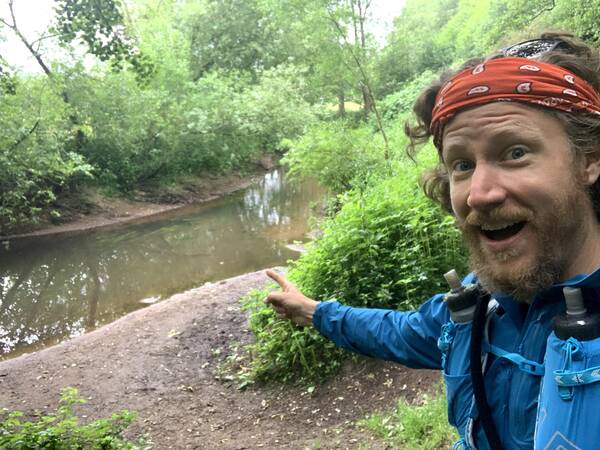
[(462, 165), (517, 152)]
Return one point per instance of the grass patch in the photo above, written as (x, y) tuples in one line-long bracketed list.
[(348, 106), (419, 426), (62, 430)]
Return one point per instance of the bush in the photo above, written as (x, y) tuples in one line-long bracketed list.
[(337, 154), (61, 430), (281, 351), (388, 247), (129, 136), (217, 123), (228, 121), (402, 101), (35, 164)]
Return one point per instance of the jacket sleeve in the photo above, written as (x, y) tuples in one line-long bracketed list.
[(409, 338)]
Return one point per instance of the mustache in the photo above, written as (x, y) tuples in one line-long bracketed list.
[(497, 217)]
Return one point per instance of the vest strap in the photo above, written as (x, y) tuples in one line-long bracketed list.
[(525, 365)]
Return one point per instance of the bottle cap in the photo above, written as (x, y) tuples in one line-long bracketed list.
[(574, 301), (453, 280)]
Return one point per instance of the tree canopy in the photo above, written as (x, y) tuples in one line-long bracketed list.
[(184, 86)]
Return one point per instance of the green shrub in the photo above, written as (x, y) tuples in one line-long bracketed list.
[(337, 154), (35, 161), (401, 102), (422, 426), (228, 121), (129, 137), (281, 351), (388, 247), (217, 123), (61, 430)]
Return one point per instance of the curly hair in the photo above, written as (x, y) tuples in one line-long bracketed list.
[(582, 129)]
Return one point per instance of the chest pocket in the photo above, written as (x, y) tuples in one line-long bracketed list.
[(454, 344)]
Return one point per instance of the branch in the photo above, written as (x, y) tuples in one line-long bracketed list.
[(44, 36), (25, 136), (12, 27), (548, 8), (12, 13), (16, 30), (367, 84)]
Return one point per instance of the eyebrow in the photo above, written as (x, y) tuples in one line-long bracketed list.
[(509, 133)]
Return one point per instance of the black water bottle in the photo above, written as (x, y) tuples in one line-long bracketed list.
[(576, 322), (461, 300)]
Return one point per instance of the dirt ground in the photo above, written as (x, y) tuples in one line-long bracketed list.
[(162, 361)]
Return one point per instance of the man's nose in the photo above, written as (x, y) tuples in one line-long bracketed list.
[(486, 190)]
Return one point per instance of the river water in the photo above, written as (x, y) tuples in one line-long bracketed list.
[(54, 288)]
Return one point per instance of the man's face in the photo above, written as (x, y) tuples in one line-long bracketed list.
[(519, 195)]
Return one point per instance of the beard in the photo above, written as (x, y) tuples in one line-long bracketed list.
[(558, 232)]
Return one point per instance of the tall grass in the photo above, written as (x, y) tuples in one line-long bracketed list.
[(419, 426)]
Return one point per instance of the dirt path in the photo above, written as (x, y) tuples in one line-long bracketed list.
[(160, 361)]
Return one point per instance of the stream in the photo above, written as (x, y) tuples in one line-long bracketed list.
[(54, 288)]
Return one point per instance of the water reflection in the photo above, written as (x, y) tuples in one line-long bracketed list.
[(53, 288)]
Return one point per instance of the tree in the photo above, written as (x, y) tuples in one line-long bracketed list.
[(411, 47), (234, 35), (101, 27)]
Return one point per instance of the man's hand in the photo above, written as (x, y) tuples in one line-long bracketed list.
[(290, 303)]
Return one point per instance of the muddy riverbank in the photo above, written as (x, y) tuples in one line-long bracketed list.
[(89, 210), (161, 361)]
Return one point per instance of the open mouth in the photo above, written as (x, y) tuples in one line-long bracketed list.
[(499, 234)]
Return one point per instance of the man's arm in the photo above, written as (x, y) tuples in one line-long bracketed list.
[(406, 337)]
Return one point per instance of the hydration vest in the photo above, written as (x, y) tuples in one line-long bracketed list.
[(569, 393)]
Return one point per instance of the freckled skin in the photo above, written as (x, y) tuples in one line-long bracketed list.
[(507, 163)]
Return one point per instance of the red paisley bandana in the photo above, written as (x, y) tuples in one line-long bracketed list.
[(512, 79)]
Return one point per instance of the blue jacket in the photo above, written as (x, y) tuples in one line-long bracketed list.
[(411, 338)]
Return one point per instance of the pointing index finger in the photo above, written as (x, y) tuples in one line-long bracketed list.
[(279, 279)]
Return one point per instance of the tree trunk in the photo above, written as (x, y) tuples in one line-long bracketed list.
[(367, 101), (341, 103)]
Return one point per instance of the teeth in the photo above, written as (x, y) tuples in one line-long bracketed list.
[(489, 227)]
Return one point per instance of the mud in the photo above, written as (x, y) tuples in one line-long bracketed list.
[(162, 362)]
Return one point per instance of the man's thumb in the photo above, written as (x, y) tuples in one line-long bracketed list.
[(276, 298)]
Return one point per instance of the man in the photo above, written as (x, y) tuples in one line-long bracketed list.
[(518, 136)]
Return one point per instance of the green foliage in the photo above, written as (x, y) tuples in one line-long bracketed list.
[(421, 427), (35, 161), (8, 81), (434, 34), (61, 429), (411, 46), (387, 247), (466, 34), (228, 121), (338, 155), (122, 124), (137, 134), (401, 102), (281, 351), (580, 17), (215, 32), (100, 26)]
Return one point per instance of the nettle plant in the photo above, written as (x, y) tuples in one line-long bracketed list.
[(387, 247), (62, 430)]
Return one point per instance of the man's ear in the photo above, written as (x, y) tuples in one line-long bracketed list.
[(591, 170)]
